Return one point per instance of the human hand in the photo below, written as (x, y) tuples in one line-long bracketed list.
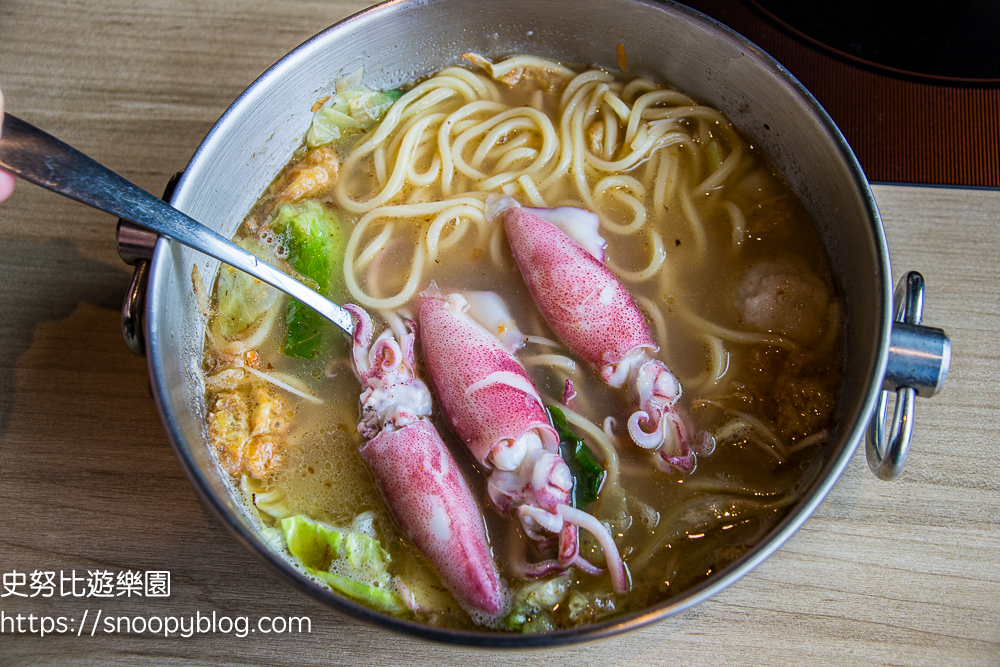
[(6, 179)]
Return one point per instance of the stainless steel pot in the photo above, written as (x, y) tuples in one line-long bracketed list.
[(402, 40)]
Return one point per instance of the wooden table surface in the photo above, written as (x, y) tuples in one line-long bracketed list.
[(906, 572)]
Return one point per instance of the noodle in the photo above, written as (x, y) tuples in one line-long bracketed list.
[(556, 360), (602, 440), (715, 370), (540, 340), (814, 439), (285, 382), (721, 174), (739, 223), (653, 312), (659, 255), (455, 125), (374, 247), (746, 337)]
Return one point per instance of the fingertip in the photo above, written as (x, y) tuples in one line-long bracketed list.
[(6, 184)]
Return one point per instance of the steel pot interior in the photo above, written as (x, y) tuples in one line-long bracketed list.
[(398, 41)]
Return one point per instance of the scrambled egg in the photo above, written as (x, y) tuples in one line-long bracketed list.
[(247, 419), (316, 173)]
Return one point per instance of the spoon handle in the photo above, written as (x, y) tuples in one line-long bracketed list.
[(44, 160)]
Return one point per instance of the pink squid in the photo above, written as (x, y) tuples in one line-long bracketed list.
[(416, 473), (561, 257), (496, 411)]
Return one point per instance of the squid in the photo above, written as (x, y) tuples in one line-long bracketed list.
[(415, 472), (496, 411), (561, 257)]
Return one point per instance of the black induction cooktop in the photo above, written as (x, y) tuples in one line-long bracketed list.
[(955, 41), (914, 86)]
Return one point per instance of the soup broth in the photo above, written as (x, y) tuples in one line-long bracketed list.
[(720, 256)]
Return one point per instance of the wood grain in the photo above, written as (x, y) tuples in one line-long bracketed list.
[(885, 573)]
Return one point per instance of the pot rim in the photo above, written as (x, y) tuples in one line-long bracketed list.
[(777, 536)]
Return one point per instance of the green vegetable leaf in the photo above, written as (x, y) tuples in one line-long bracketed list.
[(588, 475), (318, 545), (312, 235), (350, 562), (381, 599), (329, 124), (307, 331), (533, 602), (243, 299), (369, 106), (542, 622), (354, 109), (315, 240)]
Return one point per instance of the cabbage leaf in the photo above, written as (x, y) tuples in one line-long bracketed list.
[(352, 110), (315, 242), (350, 562), (534, 603), (244, 300)]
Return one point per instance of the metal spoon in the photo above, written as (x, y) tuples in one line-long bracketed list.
[(44, 160)]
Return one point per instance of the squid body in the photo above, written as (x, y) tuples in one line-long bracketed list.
[(496, 411), (561, 257), (416, 473)]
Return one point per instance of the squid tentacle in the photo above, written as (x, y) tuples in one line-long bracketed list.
[(615, 564)]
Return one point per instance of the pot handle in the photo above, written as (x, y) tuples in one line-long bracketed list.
[(135, 247), (919, 359)]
